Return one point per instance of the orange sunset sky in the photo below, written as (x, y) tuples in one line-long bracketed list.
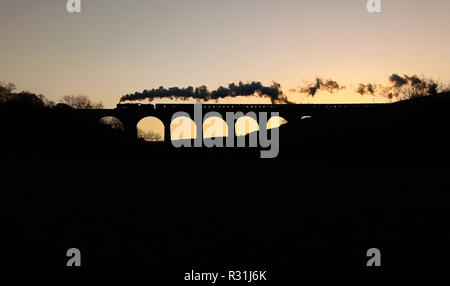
[(116, 47)]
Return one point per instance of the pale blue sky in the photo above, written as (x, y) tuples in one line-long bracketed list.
[(114, 47)]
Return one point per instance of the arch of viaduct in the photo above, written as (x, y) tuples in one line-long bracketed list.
[(131, 114)]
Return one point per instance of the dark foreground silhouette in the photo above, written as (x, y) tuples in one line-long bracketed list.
[(343, 182)]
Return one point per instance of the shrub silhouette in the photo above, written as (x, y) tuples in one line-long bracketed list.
[(81, 102), (149, 136)]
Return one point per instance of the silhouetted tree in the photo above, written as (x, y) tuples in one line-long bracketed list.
[(6, 88), (7, 96), (25, 98), (81, 102), (408, 87), (46, 101), (424, 87), (404, 87), (150, 135)]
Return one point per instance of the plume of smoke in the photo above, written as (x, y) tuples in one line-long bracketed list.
[(402, 87), (410, 86), (326, 85), (414, 80), (273, 92), (369, 88), (398, 81)]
